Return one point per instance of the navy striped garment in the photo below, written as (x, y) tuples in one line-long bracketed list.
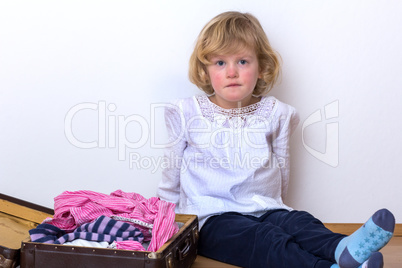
[(103, 229)]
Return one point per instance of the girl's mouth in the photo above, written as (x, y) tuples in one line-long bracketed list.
[(233, 85)]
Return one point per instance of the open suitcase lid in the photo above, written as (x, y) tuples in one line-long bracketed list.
[(17, 217)]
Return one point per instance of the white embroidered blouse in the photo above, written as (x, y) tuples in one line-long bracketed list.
[(221, 160)]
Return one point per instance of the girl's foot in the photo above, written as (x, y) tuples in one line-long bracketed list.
[(354, 250)]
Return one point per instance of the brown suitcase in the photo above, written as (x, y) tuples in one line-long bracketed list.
[(180, 251), (17, 217)]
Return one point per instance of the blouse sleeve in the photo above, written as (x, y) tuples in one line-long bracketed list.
[(287, 123), (169, 187)]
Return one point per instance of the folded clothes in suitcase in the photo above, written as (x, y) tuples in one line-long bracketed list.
[(17, 217), (179, 251)]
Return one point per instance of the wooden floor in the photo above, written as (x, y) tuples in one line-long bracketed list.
[(393, 253), (392, 257)]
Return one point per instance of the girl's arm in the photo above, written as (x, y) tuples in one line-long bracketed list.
[(169, 187), (287, 123)]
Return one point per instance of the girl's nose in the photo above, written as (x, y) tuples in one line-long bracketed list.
[(231, 71)]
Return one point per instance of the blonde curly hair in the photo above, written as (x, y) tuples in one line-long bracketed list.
[(231, 32)]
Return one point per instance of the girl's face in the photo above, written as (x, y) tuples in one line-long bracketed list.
[(233, 78)]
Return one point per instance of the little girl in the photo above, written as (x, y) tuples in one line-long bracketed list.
[(229, 161)]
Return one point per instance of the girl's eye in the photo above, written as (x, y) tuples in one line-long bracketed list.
[(220, 63), (242, 62)]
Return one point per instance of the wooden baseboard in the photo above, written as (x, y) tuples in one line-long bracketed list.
[(349, 228)]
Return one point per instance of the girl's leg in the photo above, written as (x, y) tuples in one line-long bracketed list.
[(309, 232), (350, 251), (247, 242)]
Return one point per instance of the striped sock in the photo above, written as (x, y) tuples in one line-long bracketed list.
[(354, 250)]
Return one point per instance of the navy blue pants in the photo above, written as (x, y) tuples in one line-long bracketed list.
[(277, 239)]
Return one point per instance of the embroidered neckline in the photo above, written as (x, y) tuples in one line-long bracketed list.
[(236, 117)]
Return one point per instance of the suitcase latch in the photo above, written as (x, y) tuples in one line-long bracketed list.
[(185, 249), (169, 261)]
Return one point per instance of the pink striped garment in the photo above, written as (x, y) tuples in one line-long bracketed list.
[(72, 209), (128, 245)]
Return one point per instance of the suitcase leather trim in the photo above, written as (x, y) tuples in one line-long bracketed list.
[(9, 257)]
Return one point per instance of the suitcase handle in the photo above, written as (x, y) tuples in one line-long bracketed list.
[(183, 252)]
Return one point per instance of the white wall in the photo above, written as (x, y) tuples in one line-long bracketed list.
[(119, 57)]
